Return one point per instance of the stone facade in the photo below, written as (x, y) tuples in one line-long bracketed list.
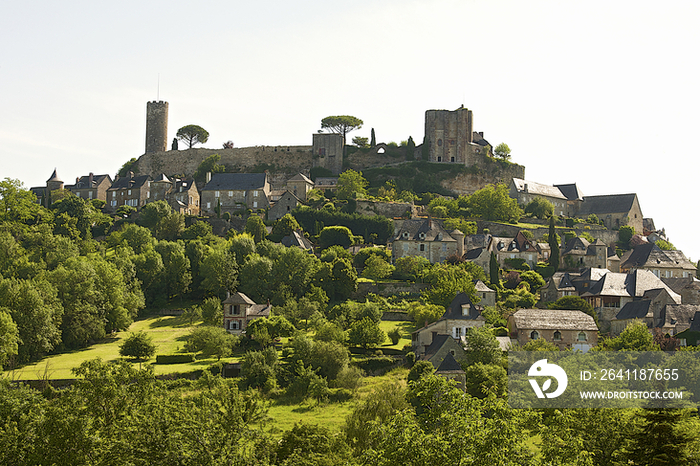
[(426, 238), (566, 329), (156, 127), (284, 205), (235, 192), (134, 191), (239, 310), (449, 136), (388, 209), (328, 151), (92, 187)]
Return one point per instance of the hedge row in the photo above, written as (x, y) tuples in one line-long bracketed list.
[(174, 358), (312, 220)]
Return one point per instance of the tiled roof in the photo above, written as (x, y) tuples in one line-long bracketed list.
[(236, 182), (301, 177), (634, 284), (238, 298), (129, 183), (84, 181), (449, 364), (608, 204), (456, 312), (570, 191), (537, 188), (634, 310), (679, 315), (473, 254), (553, 319), (423, 230)]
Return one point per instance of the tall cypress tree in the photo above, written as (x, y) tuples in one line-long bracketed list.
[(373, 139), (493, 270), (553, 245)]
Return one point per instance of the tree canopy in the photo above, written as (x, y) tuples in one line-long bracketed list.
[(341, 124), (192, 134)]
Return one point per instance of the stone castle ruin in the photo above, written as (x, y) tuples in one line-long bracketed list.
[(449, 137)]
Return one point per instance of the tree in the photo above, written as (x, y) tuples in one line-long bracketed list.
[(636, 337), (419, 370), (211, 341), (502, 151), (576, 303), (360, 142), (425, 313), (16, 203), (377, 268), (138, 345), (446, 282), (285, 226), (410, 148), (192, 134), (483, 379), (336, 235), (493, 270), (410, 267), (493, 203), (625, 235), (665, 436), (129, 166), (211, 311), (9, 337), (351, 184), (366, 333), (208, 165), (482, 347), (553, 245), (341, 124), (540, 208), (255, 227), (373, 139)]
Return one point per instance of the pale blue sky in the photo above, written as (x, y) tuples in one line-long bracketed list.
[(599, 93)]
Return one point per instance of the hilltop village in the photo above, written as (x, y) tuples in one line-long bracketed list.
[(384, 283)]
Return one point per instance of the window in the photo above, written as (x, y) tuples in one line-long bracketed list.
[(129, 193), (233, 325), (557, 336), (255, 204), (114, 194), (208, 205), (452, 159), (216, 193), (236, 309), (255, 194), (421, 247), (534, 335), (582, 336), (458, 332), (230, 194), (439, 159), (439, 142)]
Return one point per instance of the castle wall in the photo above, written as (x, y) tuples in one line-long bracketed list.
[(282, 159), (449, 136)]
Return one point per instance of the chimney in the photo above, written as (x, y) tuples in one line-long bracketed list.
[(208, 177), (91, 176)]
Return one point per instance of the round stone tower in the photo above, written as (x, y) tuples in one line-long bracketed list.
[(156, 126)]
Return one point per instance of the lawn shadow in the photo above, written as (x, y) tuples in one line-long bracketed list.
[(170, 321)]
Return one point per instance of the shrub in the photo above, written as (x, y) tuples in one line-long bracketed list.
[(175, 358)]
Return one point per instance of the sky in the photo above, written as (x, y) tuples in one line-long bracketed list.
[(604, 94)]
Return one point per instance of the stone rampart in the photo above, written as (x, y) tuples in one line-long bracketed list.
[(285, 159), (387, 209), (609, 237)]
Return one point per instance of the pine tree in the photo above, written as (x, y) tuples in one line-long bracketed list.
[(553, 245)]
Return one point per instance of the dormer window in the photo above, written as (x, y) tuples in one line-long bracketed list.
[(421, 235), (405, 235)]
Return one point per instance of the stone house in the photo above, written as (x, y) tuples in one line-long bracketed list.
[(515, 248), (328, 150), (579, 253), (134, 191), (688, 288), (526, 191), (450, 369), (663, 264), (450, 137), (91, 187), (43, 193), (442, 345), (299, 185), (426, 238), (676, 318), (326, 183), (558, 285), (691, 336), (610, 294), (235, 192), (567, 329), (480, 256), (656, 309), (487, 295), (284, 205), (615, 210), (459, 316), (239, 310), (181, 195)]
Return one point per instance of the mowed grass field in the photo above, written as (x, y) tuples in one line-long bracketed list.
[(168, 334)]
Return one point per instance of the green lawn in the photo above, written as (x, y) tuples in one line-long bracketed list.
[(406, 329), (168, 335)]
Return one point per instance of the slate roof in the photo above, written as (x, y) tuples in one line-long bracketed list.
[(301, 177), (438, 341), (129, 183), (695, 323), (482, 288), (553, 319), (634, 310), (607, 204), (633, 284), (455, 312), (518, 244), (577, 246), (238, 298), (84, 181), (650, 255), (423, 230), (537, 188), (570, 191), (236, 182), (449, 364), (679, 315), (473, 254), (297, 239), (54, 177), (185, 184), (162, 178), (679, 284), (259, 310)]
